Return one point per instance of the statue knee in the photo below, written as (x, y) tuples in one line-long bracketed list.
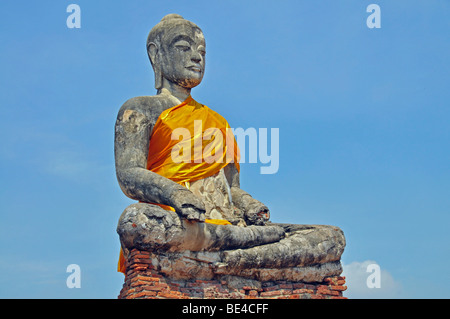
[(150, 227)]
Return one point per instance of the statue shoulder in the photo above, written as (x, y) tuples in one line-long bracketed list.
[(148, 106)]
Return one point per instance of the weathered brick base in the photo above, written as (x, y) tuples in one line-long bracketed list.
[(142, 281)]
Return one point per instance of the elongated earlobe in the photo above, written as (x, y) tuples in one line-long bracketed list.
[(152, 50), (158, 78)]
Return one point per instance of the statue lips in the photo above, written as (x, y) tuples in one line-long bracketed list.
[(194, 68)]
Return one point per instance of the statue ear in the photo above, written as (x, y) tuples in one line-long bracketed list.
[(152, 50), (158, 77)]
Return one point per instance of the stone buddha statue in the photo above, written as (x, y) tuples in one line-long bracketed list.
[(194, 209)]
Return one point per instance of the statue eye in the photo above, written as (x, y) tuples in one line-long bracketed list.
[(183, 46), (201, 50)]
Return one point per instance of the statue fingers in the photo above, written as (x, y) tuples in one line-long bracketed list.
[(192, 213), (264, 213), (257, 214)]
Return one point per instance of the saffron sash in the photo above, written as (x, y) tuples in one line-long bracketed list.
[(207, 143)]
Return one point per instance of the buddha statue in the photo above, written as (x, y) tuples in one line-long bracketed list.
[(189, 206)]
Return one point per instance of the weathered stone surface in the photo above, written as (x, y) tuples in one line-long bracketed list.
[(180, 245), (144, 280), (207, 266), (183, 249), (147, 226), (136, 119), (215, 193), (314, 244)]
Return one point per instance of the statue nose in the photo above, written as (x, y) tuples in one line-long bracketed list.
[(196, 58)]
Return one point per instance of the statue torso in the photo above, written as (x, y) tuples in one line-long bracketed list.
[(216, 195), (213, 190)]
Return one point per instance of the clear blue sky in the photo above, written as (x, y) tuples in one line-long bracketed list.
[(363, 114)]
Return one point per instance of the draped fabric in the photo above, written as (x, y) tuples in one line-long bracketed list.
[(189, 142)]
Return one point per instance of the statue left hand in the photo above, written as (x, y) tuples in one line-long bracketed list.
[(256, 213)]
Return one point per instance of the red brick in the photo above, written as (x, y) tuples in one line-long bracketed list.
[(138, 265), (140, 288), (136, 283), (146, 278), (126, 293), (270, 293), (209, 282), (143, 281), (271, 288), (173, 286), (144, 294), (170, 294), (158, 286), (141, 261), (191, 290), (338, 288), (281, 292), (253, 293), (298, 286), (335, 293), (135, 252), (303, 291), (286, 286), (139, 255), (324, 291), (130, 273)]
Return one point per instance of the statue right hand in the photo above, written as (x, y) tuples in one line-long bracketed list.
[(188, 206)]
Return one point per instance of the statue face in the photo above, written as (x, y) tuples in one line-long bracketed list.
[(183, 55)]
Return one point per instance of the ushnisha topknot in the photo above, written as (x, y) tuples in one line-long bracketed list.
[(171, 16), (167, 22), (170, 19)]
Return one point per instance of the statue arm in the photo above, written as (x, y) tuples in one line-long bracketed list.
[(255, 212), (132, 136)]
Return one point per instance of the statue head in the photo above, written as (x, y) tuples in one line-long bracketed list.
[(176, 48)]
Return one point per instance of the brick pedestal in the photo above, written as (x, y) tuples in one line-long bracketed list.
[(143, 281)]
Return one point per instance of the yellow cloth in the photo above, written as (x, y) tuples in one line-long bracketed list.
[(121, 265), (201, 124), (205, 133)]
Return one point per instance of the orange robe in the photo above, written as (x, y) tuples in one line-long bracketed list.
[(190, 142)]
